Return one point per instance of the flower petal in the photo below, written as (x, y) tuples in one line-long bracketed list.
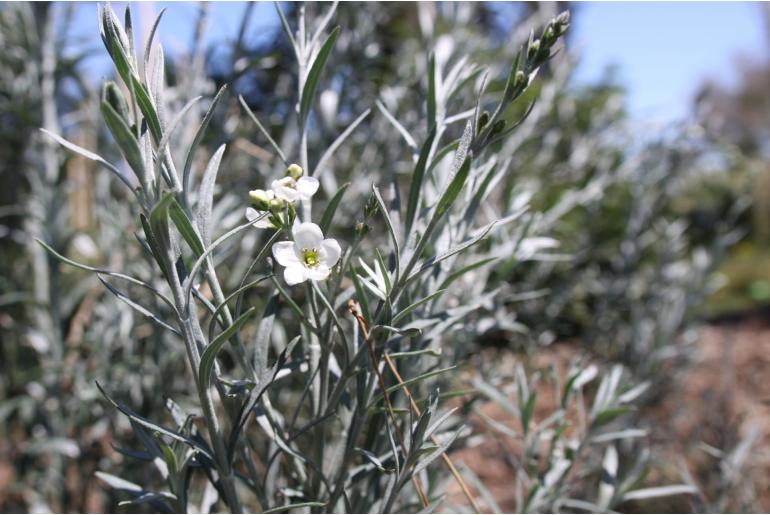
[(285, 189), (264, 223), (330, 252), (295, 274), (307, 235), (318, 273), (283, 252), (306, 187)]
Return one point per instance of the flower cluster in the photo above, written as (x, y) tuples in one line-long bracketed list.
[(274, 203), (309, 255)]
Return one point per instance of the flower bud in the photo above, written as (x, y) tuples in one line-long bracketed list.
[(294, 171), (276, 204), (361, 229), (561, 24), (519, 79), (533, 49), (548, 35), (498, 127), (483, 119), (259, 199)]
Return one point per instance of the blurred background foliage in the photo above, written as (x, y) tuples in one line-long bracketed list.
[(656, 235)]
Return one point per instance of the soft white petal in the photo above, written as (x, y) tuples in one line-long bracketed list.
[(264, 223), (283, 252), (306, 187), (318, 273), (330, 252), (285, 189), (307, 235), (295, 274)]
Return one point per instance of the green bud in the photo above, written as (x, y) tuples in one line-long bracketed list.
[(112, 95), (294, 171), (276, 205), (520, 79), (483, 119), (370, 208), (533, 50), (498, 127), (561, 24), (259, 199), (361, 229), (548, 36)]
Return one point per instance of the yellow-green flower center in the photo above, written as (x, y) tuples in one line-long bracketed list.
[(310, 257)]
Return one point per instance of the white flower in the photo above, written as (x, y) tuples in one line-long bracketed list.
[(309, 256), (292, 190)]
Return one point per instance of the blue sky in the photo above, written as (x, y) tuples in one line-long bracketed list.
[(662, 50)]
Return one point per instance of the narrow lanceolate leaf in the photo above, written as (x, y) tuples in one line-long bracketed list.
[(361, 296), (89, 155), (189, 284), (389, 224), (413, 202), (262, 340), (456, 250), (256, 394), (441, 154), (287, 29), (118, 483), (461, 166), (314, 75), (436, 453), (159, 217), (210, 353), (138, 307), (108, 273), (186, 228), (331, 209), (152, 426), (496, 396), (660, 491), (206, 196), (263, 130), (148, 46), (148, 110), (411, 381), (125, 139), (117, 51), (321, 166), (459, 273), (432, 91), (186, 174), (289, 507), (152, 242), (404, 312), (400, 128), (221, 307)]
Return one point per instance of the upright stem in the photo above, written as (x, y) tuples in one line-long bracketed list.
[(227, 477)]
